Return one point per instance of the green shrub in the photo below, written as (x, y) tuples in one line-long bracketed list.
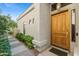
[(4, 42), (27, 39), (20, 36), (29, 45), (4, 46)]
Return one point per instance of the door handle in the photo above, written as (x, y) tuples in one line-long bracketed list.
[(77, 34)]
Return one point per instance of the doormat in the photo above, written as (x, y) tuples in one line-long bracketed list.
[(58, 52)]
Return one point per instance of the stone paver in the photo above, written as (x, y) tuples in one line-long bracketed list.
[(18, 48)]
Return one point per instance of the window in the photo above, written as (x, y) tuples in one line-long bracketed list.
[(53, 6), (64, 4), (24, 28), (29, 21), (33, 20)]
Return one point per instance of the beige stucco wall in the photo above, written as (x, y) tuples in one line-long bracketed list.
[(40, 30), (44, 26), (43, 40), (30, 29), (76, 48)]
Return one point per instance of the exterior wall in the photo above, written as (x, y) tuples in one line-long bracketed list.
[(44, 28), (76, 48), (30, 29), (40, 30)]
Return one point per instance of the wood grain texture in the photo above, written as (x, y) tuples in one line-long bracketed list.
[(61, 30)]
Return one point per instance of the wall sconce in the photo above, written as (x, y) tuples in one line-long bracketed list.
[(58, 6), (73, 12)]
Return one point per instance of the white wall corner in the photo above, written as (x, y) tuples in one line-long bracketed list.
[(41, 45)]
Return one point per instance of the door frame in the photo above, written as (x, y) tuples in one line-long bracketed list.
[(57, 12)]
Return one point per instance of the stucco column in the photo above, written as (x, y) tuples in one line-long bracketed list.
[(43, 40)]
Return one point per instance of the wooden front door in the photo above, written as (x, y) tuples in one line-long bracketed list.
[(61, 30)]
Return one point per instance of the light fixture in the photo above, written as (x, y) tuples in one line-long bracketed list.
[(73, 12)]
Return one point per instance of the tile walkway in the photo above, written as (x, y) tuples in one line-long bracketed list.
[(19, 49)]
